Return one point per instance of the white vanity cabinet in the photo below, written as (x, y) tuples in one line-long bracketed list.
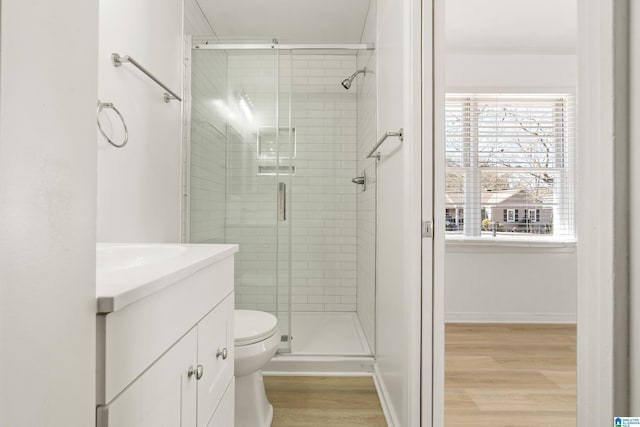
[(215, 358), (225, 412), (164, 396), (166, 360)]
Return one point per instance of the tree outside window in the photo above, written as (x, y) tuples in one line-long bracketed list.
[(509, 165)]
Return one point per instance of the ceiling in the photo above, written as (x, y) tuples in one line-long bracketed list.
[(511, 26), (290, 21), (479, 26)]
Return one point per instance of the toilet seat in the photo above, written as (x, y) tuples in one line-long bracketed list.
[(253, 326)]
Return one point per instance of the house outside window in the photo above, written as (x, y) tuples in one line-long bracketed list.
[(509, 166)]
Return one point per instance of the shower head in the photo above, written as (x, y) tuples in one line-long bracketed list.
[(346, 83)]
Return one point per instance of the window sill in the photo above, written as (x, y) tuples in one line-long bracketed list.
[(508, 244)]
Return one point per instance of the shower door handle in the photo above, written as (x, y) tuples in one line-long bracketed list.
[(282, 201)]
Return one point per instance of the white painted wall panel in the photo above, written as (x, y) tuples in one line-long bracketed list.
[(139, 186), (392, 332), (504, 284), (537, 73), (47, 212)]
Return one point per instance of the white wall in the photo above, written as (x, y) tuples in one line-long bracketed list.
[(510, 293), (510, 72), (47, 211), (139, 186), (195, 23), (510, 284), (398, 212), (391, 333)]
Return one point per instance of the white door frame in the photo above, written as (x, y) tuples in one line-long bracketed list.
[(434, 257), (433, 210), (419, 284), (603, 270), (603, 280)]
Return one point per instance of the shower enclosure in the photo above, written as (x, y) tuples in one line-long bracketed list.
[(273, 143)]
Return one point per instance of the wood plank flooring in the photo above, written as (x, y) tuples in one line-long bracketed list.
[(510, 375), (324, 401), (496, 375)]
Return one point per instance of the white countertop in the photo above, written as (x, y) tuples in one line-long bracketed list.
[(128, 272)]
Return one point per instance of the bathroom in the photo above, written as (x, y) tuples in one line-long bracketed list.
[(318, 260), (61, 192)]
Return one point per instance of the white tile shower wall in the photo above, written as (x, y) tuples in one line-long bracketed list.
[(321, 197), (208, 147), (367, 199)]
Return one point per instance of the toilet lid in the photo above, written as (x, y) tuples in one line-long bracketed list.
[(252, 326)]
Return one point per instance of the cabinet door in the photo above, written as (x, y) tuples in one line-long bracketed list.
[(164, 396), (215, 355), (225, 412)]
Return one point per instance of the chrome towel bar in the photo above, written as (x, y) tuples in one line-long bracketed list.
[(383, 138), (102, 106), (117, 61)]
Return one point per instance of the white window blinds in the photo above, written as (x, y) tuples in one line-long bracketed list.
[(509, 165)]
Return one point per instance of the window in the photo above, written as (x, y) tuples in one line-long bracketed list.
[(509, 166)]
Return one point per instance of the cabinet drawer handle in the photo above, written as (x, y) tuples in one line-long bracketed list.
[(222, 353), (199, 372), (191, 372)]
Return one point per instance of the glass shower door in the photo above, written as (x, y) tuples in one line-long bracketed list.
[(285, 153), (241, 173)]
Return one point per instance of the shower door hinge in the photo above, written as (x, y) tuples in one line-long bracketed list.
[(427, 229), (286, 338)]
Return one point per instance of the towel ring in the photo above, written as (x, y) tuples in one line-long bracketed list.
[(102, 106)]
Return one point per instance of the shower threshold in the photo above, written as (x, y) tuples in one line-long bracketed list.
[(333, 366)]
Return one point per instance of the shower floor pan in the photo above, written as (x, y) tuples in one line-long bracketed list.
[(324, 343)]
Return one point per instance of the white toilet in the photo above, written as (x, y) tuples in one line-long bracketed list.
[(256, 341)]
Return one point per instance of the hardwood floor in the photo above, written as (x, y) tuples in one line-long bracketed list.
[(324, 401), (510, 375), (496, 375)]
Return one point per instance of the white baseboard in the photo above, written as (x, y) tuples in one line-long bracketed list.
[(560, 318), (389, 413)]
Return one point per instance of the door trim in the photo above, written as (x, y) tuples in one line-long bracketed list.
[(412, 152), (434, 255), (602, 217)]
